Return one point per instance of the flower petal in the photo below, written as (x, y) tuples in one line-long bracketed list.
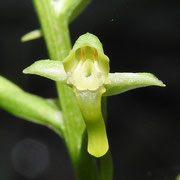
[(53, 70), (86, 65), (90, 105), (121, 82)]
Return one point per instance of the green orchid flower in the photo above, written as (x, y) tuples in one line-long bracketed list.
[(86, 71)]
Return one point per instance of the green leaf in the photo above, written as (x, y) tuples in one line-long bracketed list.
[(54, 102), (53, 70), (30, 107), (121, 82), (35, 34)]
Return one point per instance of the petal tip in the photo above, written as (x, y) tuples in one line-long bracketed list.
[(99, 153), (160, 83), (25, 71)]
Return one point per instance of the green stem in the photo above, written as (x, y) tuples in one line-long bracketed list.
[(106, 163), (106, 171), (55, 30), (56, 33)]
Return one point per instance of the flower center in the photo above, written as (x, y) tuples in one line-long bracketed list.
[(87, 74)]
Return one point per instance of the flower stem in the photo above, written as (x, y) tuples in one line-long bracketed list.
[(56, 34)]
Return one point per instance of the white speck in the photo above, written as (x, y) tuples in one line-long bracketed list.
[(57, 4)]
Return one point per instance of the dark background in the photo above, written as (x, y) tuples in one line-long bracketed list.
[(143, 124)]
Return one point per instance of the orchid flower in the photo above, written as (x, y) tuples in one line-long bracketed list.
[(86, 70)]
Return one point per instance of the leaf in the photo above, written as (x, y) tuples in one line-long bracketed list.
[(54, 102), (30, 107), (121, 82), (53, 70), (35, 34)]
